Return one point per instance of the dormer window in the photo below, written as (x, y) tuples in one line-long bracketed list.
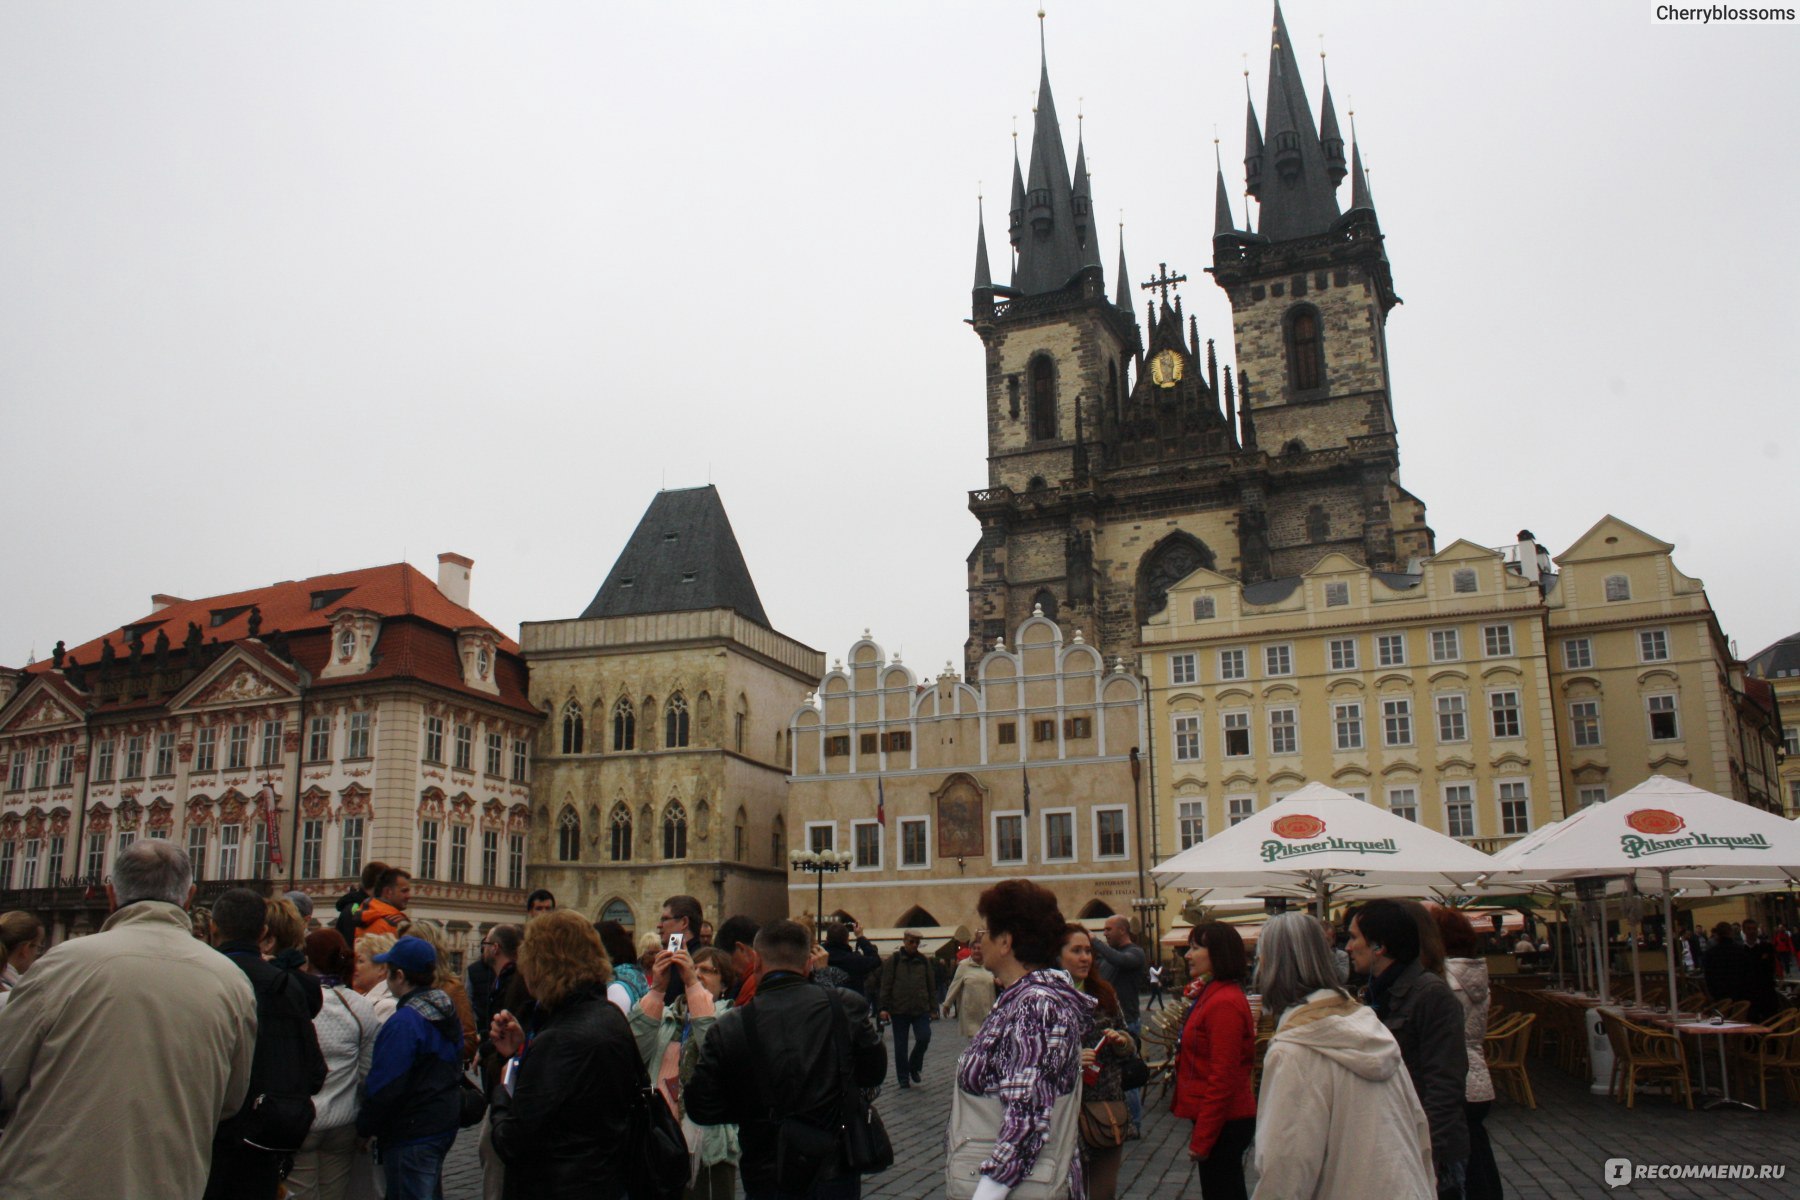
[(347, 645), (1337, 595), (482, 662), (1205, 608), (671, 538), (687, 577), (627, 581)]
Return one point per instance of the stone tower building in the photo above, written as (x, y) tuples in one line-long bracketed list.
[(1118, 463)]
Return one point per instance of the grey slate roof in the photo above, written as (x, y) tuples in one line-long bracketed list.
[(1051, 256), (682, 556), (1306, 204), (1779, 661)]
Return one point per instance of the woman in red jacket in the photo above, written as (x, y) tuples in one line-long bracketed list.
[(1212, 1071)]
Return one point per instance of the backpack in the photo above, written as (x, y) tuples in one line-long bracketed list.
[(287, 1068), (656, 1161), (631, 977)]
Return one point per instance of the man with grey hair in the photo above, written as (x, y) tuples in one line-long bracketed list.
[(120, 1053)]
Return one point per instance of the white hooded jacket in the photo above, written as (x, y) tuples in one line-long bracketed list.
[(1339, 1119)]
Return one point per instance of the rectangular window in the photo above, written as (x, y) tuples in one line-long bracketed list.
[(1232, 665), (358, 743), (1578, 654), (134, 761), (1497, 640), (515, 860), (1077, 727), (865, 844), (103, 763), (1239, 809), (490, 857), (428, 849), (318, 740), (1664, 727), (312, 848), (1446, 645), (1190, 816), (196, 849), (1284, 731), (158, 835), (1346, 720), (237, 753), (496, 754), (866, 743), (1205, 608), (1618, 587), (821, 837), (165, 755), (231, 843), (1504, 708), (434, 739), (34, 850), (1007, 732), (1396, 723), (206, 748), (837, 745), (1653, 645), (1403, 802), (1459, 810), (9, 852), (1109, 833), (1278, 660), (15, 776), (519, 757), (65, 765), (1515, 809), (1043, 731), (1059, 836), (1790, 741), (1390, 650), (1343, 654), (1587, 797), (1452, 717), (96, 856), (40, 767), (1182, 669), (459, 853), (259, 851), (53, 863), (465, 747), (1009, 839), (1187, 737), (897, 742), (271, 744), (350, 856), (915, 842), (1464, 579), (1337, 595), (1584, 720), (1237, 734)]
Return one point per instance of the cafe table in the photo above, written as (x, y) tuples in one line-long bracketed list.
[(1689, 1025)]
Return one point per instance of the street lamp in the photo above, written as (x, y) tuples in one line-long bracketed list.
[(820, 863)]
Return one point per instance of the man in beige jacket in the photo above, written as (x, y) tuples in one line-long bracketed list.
[(120, 1053)]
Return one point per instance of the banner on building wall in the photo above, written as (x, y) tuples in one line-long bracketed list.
[(265, 808)]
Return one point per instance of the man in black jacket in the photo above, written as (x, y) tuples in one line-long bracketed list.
[(1426, 1019), (787, 1041), (253, 1150)]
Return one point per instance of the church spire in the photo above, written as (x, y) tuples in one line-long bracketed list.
[(1299, 197), (1360, 196), (1082, 199), (1330, 140), (1016, 222), (1050, 250), (1122, 301), (1253, 147), (983, 279), (1222, 223)]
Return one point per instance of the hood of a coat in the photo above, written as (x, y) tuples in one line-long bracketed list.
[(1348, 1033), (439, 1012)]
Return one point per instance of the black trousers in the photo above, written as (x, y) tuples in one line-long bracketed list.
[(240, 1173), (1483, 1181), (1222, 1174)]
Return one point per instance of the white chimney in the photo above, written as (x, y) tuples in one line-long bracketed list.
[(161, 601), (1528, 556), (453, 577)]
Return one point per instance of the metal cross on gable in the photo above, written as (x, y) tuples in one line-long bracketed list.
[(1163, 281)]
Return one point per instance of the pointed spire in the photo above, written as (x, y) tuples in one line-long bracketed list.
[(1330, 140), (1016, 223), (1253, 144), (982, 277), (1360, 196), (1122, 301), (1082, 201), (1222, 223), (1230, 407), (1297, 197), (1050, 250)]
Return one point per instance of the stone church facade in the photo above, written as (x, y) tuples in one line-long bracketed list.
[(1120, 457)]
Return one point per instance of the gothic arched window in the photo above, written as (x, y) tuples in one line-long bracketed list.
[(675, 829), (1306, 349), (624, 725), (1174, 559), (1043, 399), (568, 835), (1046, 601), (621, 833), (572, 731), (675, 722)]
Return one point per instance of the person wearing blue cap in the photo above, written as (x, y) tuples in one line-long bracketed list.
[(412, 1101)]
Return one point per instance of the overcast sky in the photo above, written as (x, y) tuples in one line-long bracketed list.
[(291, 289)]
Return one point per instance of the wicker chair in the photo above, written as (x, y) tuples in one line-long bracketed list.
[(1778, 1051), (1160, 1035), (1653, 1054), (1506, 1057)]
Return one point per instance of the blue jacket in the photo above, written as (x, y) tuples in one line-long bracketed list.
[(413, 1091)]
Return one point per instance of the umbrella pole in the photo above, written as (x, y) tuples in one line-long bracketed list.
[(1602, 953), (1669, 940), (1322, 894), (1562, 931), (1637, 931)]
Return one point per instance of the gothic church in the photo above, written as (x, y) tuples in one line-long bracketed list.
[(1120, 457)]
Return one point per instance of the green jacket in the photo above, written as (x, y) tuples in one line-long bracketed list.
[(718, 1143), (908, 985)]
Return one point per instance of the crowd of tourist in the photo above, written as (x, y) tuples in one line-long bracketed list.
[(340, 1056)]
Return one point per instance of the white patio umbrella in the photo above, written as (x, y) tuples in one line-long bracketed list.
[(1661, 835), (1320, 841)]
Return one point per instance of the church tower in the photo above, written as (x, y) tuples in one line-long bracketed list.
[(1119, 464)]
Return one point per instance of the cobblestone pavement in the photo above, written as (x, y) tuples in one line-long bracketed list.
[(1556, 1151)]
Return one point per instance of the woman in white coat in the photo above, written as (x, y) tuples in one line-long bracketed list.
[(1340, 1119), (971, 993)]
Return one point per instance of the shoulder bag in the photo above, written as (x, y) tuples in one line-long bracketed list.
[(975, 1125), (867, 1148)]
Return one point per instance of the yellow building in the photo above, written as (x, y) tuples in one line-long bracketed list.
[(1427, 692), (937, 789), (662, 768), (1778, 666)]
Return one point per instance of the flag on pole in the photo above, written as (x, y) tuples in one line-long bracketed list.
[(266, 806), (880, 804), (1026, 775)]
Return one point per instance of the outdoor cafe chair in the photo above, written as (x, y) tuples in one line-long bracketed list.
[(1654, 1054), (1506, 1058), (1161, 1034), (1779, 1051)]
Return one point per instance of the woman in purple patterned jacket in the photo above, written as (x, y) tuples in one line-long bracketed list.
[(1014, 1110)]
